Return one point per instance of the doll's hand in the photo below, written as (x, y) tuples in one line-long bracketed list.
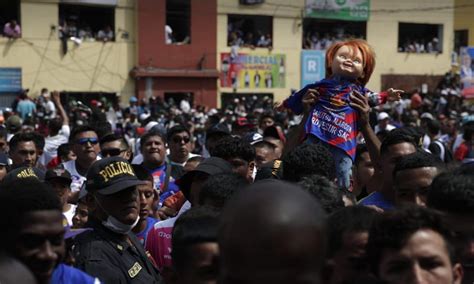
[(394, 94), (310, 99)]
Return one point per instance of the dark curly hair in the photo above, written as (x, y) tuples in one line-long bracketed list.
[(393, 229), (19, 198), (397, 136), (325, 191), (419, 159), (348, 219), (453, 192), (233, 147), (308, 159), (197, 225), (220, 188)]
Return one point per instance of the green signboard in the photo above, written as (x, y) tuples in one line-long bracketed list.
[(347, 10)]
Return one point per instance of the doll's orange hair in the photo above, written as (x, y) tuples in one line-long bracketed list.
[(368, 56)]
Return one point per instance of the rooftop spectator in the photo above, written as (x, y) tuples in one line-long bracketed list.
[(12, 30)]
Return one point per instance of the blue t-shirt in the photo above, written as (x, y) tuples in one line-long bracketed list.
[(150, 222), (376, 198), (159, 177), (25, 108), (67, 274)]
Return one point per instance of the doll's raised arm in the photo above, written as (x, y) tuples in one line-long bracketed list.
[(295, 101), (390, 95)]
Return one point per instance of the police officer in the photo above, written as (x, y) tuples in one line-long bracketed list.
[(110, 251)]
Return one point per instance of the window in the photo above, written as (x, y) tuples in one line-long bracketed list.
[(250, 31), (177, 97), (420, 38), (87, 23), (9, 11), (460, 39), (321, 34), (178, 22)]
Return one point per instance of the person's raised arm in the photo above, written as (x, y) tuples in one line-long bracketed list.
[(310, 98), (57, 101), (361, 103)]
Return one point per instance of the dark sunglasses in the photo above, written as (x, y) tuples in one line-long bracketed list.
[(84, 141), (178, 139), (111, 152)]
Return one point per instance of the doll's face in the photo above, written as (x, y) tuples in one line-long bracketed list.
[(348, 63)]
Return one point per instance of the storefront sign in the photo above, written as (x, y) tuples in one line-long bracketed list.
[(348, 10), (10, 80), (252, 71), (312, 66), (94, 2)]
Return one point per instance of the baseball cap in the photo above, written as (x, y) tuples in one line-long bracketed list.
[(210, 166), (218, 128), (58, 173), (111, 175), (3, 159), (24, 173), (383, 115), (13, 123), (253, 138)]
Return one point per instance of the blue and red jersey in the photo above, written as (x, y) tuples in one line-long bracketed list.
[(332, 119)]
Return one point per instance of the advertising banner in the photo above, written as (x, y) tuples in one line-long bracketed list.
[(252, 71), (312, 66), (467, 67), (10, 80), (347, 10)]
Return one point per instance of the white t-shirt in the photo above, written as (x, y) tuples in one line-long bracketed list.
[(77, 179), (50, 109), (51, 144), (70, 213)]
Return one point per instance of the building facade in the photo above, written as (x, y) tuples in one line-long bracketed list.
[(177, 50), (399, 32), (76, 63)]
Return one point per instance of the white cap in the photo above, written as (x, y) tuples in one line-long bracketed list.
[(383, 115), (150, 125), (144, 116), (427, 115)]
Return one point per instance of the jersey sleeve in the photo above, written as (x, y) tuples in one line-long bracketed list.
[(295, 101)]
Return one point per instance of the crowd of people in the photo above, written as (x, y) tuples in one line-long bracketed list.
[(159, 191), (239, 36), (421, 46)]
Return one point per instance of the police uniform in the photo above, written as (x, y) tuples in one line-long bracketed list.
[(111, 256), (104, 254)]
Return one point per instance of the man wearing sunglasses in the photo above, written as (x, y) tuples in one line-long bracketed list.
[(180, 144), (85, 144), (112, 145)]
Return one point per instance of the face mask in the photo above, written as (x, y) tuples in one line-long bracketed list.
[(118, 227), (114, 224)]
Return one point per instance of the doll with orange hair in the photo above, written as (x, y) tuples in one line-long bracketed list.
[(333, 121)]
